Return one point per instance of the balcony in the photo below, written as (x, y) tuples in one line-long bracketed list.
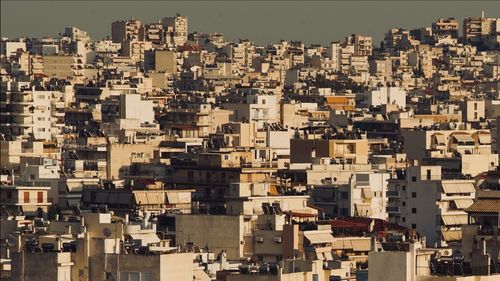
[(392, 210), (393, 194), (488, 230), (18, 202)]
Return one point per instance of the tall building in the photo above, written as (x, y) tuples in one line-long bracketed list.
[(127, 30), (482, 31), (362, 44), (176, 30)]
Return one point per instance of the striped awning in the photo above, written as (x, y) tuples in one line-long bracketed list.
[(318, 237), (149, 197), (463, 203), (456, 187), (452, 235), (454, 219)]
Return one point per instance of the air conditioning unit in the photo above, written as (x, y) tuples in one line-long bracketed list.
[(259, 239), (277, 239)]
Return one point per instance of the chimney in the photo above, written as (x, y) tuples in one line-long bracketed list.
[(482, 14)]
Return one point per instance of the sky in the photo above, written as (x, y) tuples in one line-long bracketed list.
[(261, 21)]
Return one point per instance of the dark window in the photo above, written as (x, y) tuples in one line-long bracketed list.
[(404, 187), (413, 210), (9, 194), (404, 219), (404, 203), (428, 174), (413, 178), (345, 195), (413, 195), (414, 226)]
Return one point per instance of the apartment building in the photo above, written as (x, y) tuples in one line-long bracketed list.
[(127, 30), (63, 66), (424, 189), (364, 195), (362, 44), (254, 108), (176, 30), (470, 148)]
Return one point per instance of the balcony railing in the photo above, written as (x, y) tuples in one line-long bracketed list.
[(17, 201)]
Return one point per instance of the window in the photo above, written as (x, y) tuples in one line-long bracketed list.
[(428, 174), (475, 106), (404, 203), (136, 276), (413, 195), (475, 115), (39, 197), (404, 187), (345, 195), (413, 210), (414, 226), (26, 197), (9, 194), (413, 179)]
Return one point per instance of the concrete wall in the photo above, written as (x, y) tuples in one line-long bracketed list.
[(218, 232), (397, 271), (28, 266)]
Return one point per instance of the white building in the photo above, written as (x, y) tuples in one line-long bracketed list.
[(385, 95)]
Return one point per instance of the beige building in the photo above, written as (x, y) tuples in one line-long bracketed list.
[(353, 151), (50, 266), (121, 155), (62, 66), (127, 30), (29, 200)]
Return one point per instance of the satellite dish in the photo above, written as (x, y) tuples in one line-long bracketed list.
[(106, 232)]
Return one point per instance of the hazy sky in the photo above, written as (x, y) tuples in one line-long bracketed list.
[(261, 21)]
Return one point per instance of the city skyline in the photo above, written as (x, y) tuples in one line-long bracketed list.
[(310, 22)]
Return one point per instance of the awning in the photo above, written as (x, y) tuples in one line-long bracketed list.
[(74, 186), (440, 139), (342, 244), (484, 138), (140, 197), (318, 237), (463, 203), (361, 245), (463, 138), (452, 235), (178, 197), (200, 275), (149, 197), (328, 255), (454, 219), (146, 238), (363, 210), (454, 187)]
